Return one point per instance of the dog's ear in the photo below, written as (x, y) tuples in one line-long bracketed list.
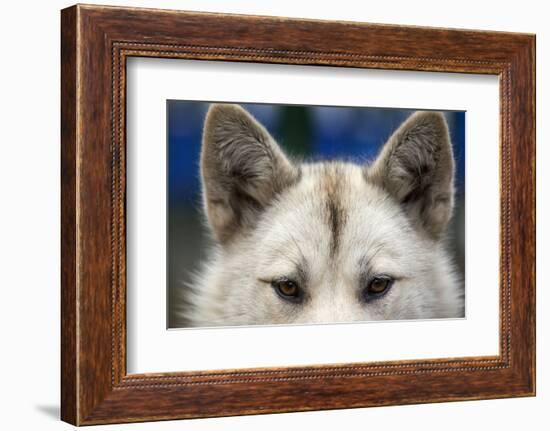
[(416, 167), (242, 169)]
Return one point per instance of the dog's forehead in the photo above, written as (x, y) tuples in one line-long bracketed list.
[(332, 212), (339, 194)]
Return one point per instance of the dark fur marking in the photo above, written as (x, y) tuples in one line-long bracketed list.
[(336, 214)]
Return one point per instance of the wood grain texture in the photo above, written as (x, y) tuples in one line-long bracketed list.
[(96, 42), (69, 366)]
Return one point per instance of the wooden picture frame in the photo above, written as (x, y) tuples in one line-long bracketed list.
[(96, 41)]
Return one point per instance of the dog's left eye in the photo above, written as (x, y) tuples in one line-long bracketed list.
[(377, 287)]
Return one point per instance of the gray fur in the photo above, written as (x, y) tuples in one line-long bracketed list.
[(329, 226), (417, 167), (242, 169)]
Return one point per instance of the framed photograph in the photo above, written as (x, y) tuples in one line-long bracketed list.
[(264, 215)]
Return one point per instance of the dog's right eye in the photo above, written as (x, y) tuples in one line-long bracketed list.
[(287, 289)]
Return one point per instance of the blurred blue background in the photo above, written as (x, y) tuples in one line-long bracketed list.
[(306, 132)]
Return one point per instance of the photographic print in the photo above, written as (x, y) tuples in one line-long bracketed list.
[(289, 214), (228, 193)]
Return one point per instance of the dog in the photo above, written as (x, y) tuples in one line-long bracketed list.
[(324, 242)]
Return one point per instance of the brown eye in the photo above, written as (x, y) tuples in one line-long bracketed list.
[(378, 286), (287, 289)]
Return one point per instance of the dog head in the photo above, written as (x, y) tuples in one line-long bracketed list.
[(328, 241)]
